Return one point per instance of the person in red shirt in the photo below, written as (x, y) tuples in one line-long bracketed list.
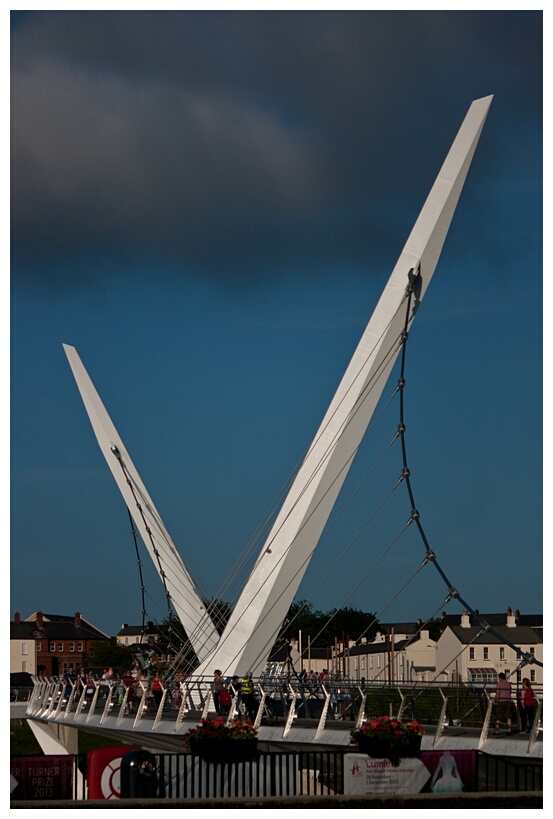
[(527, 704)]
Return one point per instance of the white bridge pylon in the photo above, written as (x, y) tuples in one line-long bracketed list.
[(259, 613), (180, 586)]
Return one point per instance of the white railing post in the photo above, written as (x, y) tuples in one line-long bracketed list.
[(322, 721), (487, 719), (159, 711), (291, 711)]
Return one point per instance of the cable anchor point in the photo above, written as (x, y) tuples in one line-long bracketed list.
[(413, 276)]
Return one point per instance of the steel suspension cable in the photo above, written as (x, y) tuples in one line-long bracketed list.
[(453, 592), (139, 562)]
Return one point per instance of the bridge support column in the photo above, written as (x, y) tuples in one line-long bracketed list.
[(55, 739)]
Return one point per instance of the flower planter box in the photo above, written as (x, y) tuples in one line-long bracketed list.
[(223, 750), (388, 738)]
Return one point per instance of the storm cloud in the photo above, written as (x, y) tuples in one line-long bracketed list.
[(240, 145)]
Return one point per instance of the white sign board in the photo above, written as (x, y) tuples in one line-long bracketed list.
[(365, 775)]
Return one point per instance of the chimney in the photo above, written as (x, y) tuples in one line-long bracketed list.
[(77, 619), (511, 620), (465, 620), (39, 619), (17, 618)]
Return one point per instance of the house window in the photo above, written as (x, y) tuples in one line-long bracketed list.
[(471, 653), (501, 653), (371, 662), (80, 648), (24, 665), (532, 650), (486, 653), (519, 676), (362, 663), (52, 646), (24, 648), (532, 676), (60, 647), (71, 646), (378, 661), (39, 646), (478, 675)]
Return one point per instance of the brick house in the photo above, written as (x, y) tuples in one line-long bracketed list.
[(50, 643)]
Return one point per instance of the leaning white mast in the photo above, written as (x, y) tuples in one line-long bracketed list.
[(186, 599), (257, 617)]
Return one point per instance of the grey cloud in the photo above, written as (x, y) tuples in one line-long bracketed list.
[(240, 141)]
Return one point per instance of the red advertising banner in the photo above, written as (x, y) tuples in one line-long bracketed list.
[(42, 777), (432, 772)]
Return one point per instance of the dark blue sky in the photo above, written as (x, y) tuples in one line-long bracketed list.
[(207, 205)]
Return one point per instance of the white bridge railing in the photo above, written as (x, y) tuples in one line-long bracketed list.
[(316, 704)]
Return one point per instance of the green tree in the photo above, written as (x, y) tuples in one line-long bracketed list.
[(323, 627), (348, 624), (435, 627), (108, 653)]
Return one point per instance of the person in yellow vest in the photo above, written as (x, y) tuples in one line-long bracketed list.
[(248, 697)]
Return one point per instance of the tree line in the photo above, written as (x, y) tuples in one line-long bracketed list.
[(318, 628)]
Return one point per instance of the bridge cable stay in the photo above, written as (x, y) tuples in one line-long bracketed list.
[(170, 613), (360, 531), (363, 396), (292, 579), (351, 498), (139, 563), (357, 535)]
